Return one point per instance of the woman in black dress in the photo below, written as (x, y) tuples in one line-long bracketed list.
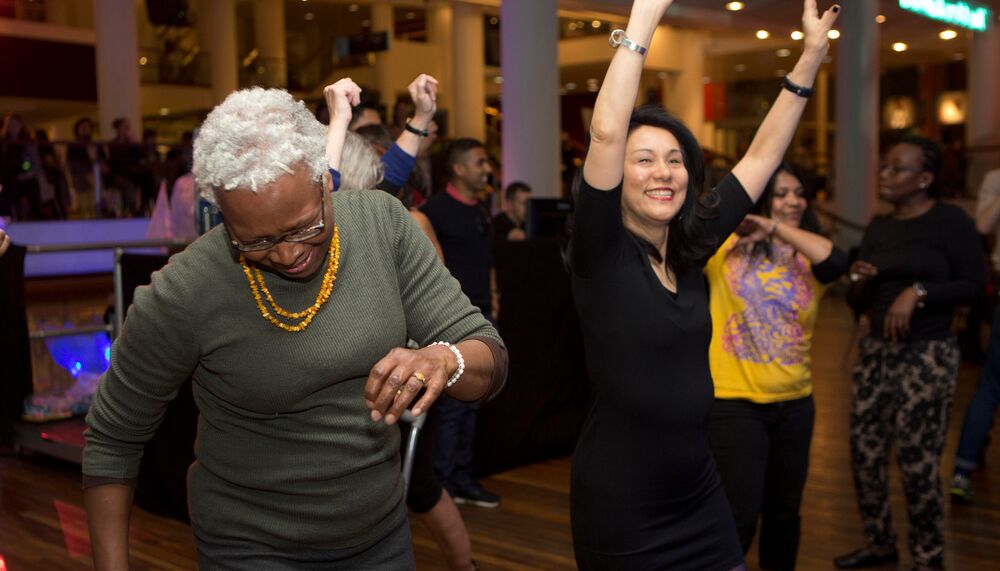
[(645, 492)]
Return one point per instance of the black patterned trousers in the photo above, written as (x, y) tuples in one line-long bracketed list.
[(902, 392)]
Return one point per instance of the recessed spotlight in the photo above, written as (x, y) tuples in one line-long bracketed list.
[(572, 26), (783, 52), (571, 86), (593, 88), (353, 8), (797, 35), (310, 16), (734, 6), (143, 60), (880, 19), (740, 67), (494, 21), (763, 34), (595, 24), (164, 111), (900, 47), (948, 34), (498, 80), (833, 34), (662, 75)]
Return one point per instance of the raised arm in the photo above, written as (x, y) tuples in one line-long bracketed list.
[(340, 97), (776, 131), (423, 93), (814, 247), (605, 162)]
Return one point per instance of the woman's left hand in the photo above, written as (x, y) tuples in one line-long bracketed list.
[(395, 381), (896, 326), (815, 27), (4, 242)]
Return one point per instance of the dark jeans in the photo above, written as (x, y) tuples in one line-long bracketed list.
[(456, 429), (762, 453), (982, 407)]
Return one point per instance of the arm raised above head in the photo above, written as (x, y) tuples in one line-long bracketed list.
[(605, 160), (776, 131)]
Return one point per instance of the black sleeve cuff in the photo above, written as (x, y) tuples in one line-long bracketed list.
[(830, 269)]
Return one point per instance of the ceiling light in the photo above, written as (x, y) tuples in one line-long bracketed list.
[(734, 6), (595, 24), (899, 47), (498, 80), (352, 8), (797, 35), (740, 67), (143, 60), (572, 26), (763, 34), (880, 19), (310, 16), (833, 34), (662, 75), (494, 21), (948, 34), (571, 86), (164, 111), (783, 52)]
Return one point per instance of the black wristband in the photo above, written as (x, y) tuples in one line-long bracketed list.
[(415, 131), (797, 89)]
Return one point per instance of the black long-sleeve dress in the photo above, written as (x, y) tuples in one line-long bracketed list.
[(645, 491)]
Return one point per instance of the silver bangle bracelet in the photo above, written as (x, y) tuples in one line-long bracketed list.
[(618, 38)]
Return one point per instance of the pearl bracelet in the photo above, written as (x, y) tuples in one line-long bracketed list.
[(458, 357)]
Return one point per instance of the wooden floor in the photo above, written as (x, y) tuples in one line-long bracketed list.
[(42, 525)]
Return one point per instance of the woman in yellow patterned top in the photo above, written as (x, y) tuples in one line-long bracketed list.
[(765, 284)]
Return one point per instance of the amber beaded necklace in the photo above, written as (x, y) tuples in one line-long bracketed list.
[(256, 280)]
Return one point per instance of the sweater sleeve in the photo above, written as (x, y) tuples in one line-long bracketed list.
[(830, 269), (433, 302), (398, 165), (967, 264), (150, 360)]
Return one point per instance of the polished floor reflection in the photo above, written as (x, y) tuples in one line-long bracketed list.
[(43, 525)]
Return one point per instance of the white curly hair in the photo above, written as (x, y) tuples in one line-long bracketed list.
[(360, 166), (253, 137)]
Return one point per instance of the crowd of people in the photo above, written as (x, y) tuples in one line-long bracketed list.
[(83, 177), (697, 306)]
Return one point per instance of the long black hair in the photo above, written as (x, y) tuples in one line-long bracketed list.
[(763, 207), (686, 250)]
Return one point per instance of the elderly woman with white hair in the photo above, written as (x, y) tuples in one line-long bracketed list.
[(291, 320)]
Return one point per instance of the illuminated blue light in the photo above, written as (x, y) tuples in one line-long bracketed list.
[(80, 354)]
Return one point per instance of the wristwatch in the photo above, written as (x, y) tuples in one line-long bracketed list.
[(921, 291)]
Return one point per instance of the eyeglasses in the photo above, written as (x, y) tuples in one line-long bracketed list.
[(268, 242), (895, 170)]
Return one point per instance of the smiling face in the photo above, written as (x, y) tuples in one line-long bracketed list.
[(788, 201), (291, 203), (655, 179), (473, 170), (902, 175)]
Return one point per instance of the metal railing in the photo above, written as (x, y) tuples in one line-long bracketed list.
[(119, 247)]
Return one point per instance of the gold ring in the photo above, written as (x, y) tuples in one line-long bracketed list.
[(420, 377)]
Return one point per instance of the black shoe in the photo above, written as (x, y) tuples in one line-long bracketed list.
[(474, 494), (864, 558)]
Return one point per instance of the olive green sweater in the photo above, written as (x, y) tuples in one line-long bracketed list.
[(287, 454)]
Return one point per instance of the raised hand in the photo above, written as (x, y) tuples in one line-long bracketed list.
[(755, 228), (815, 27), (423, 92), (340, 98)]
